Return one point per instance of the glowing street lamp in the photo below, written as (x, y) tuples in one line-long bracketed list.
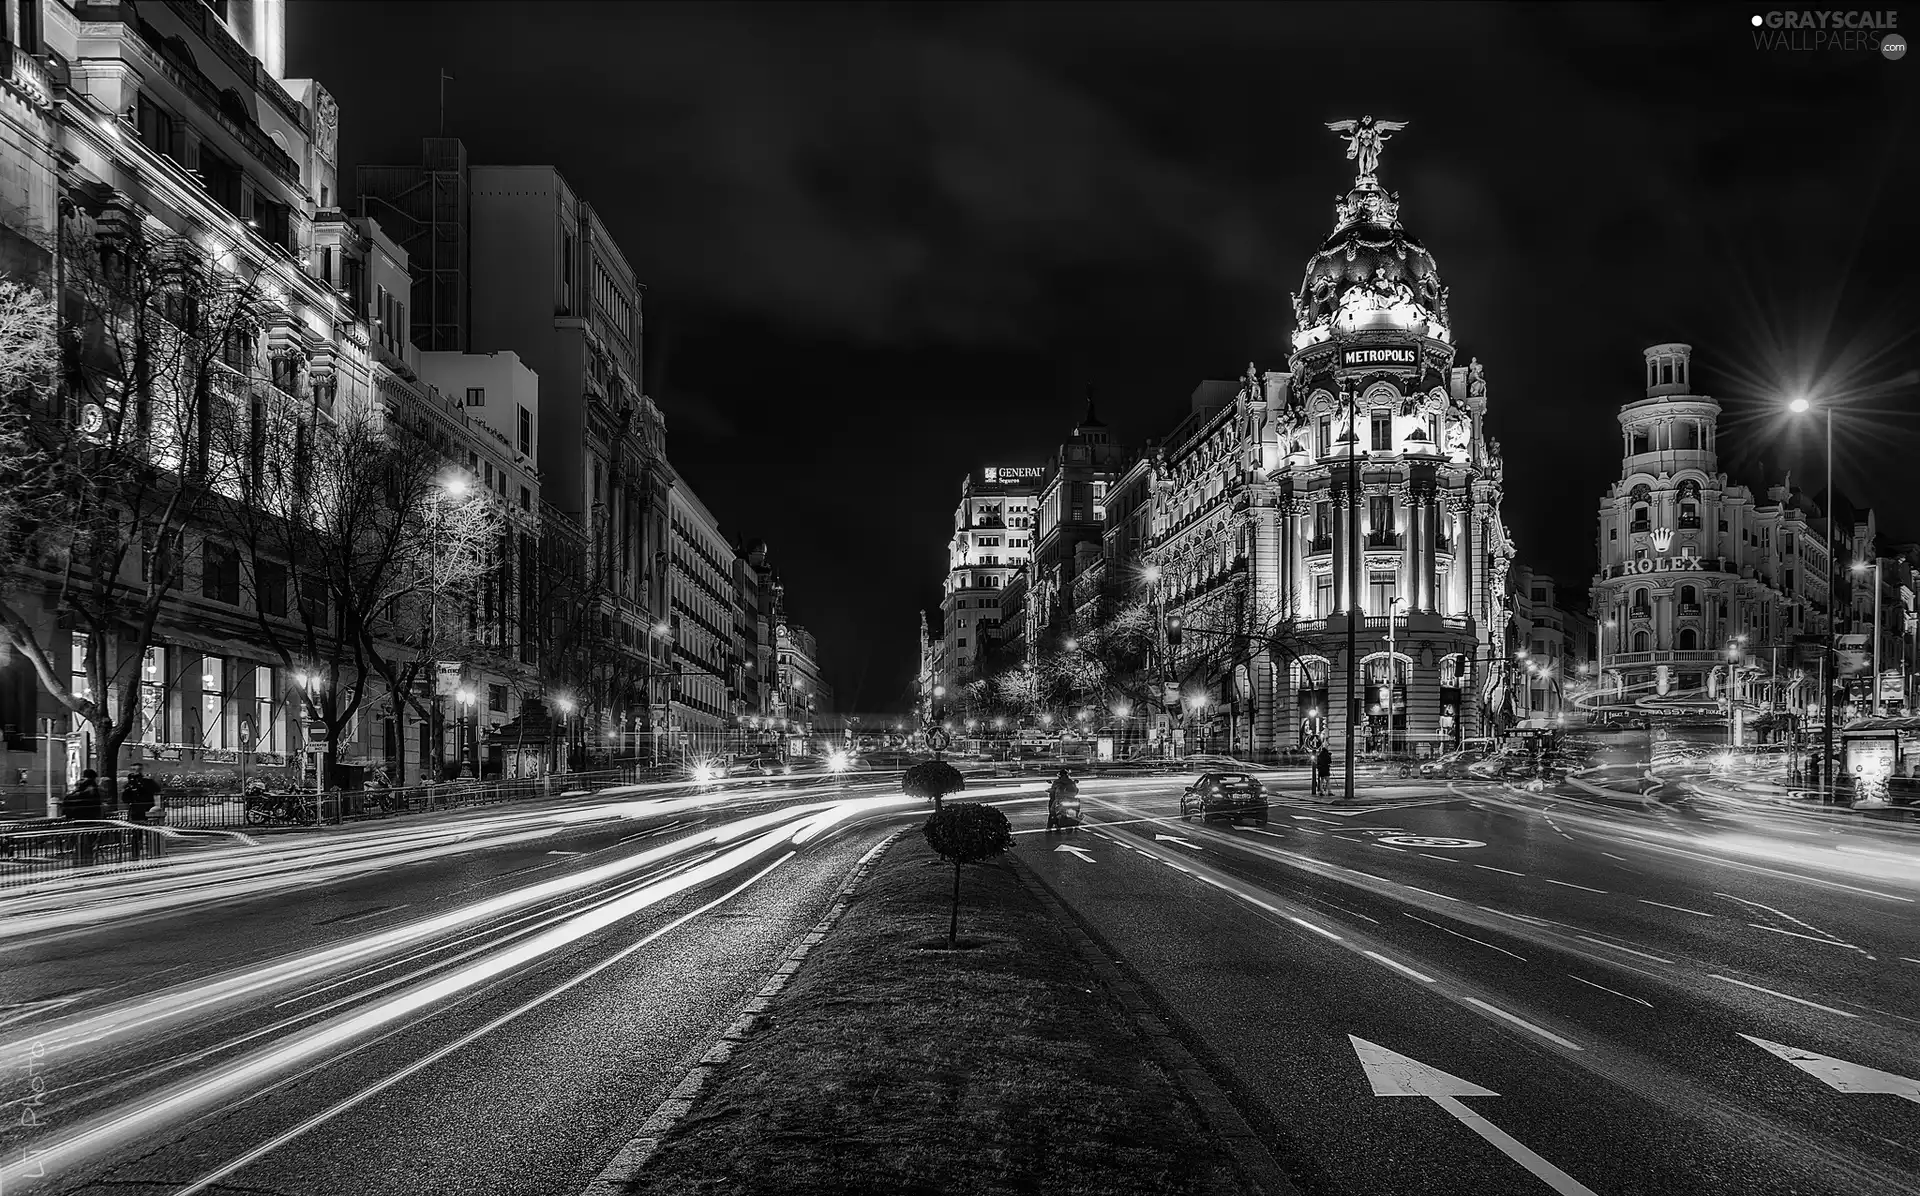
[(1801, 406), (1072, 645)]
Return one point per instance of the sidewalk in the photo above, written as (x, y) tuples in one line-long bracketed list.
[(893, 1065)]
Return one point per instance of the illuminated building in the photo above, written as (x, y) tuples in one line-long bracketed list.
[(993, 530), (1373, 436), (1069, 526), (704, 616), (1697, 576)]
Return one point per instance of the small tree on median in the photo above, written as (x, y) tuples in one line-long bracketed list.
[(966, 832), (934, 779)]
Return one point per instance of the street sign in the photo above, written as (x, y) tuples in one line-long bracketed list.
[(939, 740)]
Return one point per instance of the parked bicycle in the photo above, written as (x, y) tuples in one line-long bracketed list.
[(263, 806)]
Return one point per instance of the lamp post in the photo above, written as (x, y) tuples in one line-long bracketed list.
[(1801, 407), (1393, 670), (566, 733), (1354, 573), (453, 489), (465, 698)]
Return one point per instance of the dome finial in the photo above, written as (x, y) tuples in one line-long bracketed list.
[(1365, 138)]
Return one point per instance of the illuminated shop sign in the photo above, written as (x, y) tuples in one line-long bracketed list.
[(1667, 564), (1013, 473), (1364, 356)]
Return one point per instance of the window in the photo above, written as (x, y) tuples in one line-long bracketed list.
[(1325, 435), (1382, 431), (1380, 518), (270, 588), (526, 499), (153, 696), (212, 702), (476, 396), (269, 733), (220, 574), (1641, 522), (526, 431), (1322, 522), (1689, 514), (1689, 638), (1639, 641), (497, 698), (1539, 593), (1381, 589)]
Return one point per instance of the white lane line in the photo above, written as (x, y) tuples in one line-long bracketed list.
[(1616, 992), (1311, 818), (1491, 868), (1516, 917), (566, 853), (1618, 947), (1398, 966), (1611, 856), (1307, 830), (1431, 893), (1782, 913), (1565, 884), (1385, 847), (1449, 859), (1320, 930), (1523, 1023), (1781, 995), (1811, 938), (1468, 937), (1683, 909)]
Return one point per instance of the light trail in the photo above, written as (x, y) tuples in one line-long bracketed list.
[(754, 838)]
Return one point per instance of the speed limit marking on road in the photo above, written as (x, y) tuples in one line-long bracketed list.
[(1428, 841)]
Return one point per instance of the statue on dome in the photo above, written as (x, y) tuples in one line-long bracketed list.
[(1365, 138), (1476, 378)]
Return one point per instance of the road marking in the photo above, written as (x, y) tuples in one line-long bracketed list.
[(1812, 938), (1524, 1024), (1618, 947), (1781, 995), (1431, 841), (1683, 909), (1491, 868), (1431, 893), (1531, 921), (1159, 838), (1079, 853), (1449, 859), (1616, 992), (1840, 1075), (1398, 966), (1908, 959), (1311, 818), (1468, 937), (1385, 847), (1611, 856), (566, 853), (1782, 913), (1567, 884), (1321, 930)]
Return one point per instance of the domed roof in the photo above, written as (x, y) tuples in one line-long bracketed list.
[(1370, 273)]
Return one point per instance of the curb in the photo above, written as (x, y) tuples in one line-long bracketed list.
[(1242, 1142), (627, 1163)]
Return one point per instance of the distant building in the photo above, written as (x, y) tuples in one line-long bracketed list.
[(705, 612), (1069, 528), (993, 530), (1556, 647)]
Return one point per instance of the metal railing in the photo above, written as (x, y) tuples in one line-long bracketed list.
[(43, 849)]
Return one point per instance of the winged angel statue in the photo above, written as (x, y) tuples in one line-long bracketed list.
[(1365, 137)]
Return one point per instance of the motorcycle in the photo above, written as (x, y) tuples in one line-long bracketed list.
[(1063, 811), (263, 807)]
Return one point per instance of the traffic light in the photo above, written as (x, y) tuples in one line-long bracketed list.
[(1173, 631)]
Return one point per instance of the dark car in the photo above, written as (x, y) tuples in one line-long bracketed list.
[(1229, 795)]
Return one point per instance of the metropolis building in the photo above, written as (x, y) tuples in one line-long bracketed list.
[(1352, 503)]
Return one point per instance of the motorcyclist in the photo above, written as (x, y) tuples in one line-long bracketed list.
[(1063, 789)]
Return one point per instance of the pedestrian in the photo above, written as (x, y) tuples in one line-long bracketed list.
[(84, 805), (1323, 772), (1813, 774), (142, 794)]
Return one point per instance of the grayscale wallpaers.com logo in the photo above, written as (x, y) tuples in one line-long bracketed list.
[(1830, 29)]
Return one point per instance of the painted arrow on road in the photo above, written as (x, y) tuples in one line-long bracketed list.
[(1393, 1074), (1177, 839), (1078, 851), (1840, 1075)]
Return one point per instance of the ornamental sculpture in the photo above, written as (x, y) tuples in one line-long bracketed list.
[(1365, 138)]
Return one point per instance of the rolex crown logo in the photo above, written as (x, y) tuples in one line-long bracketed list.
[(1662, 539)]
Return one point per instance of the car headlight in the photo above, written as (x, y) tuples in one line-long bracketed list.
[(703, 773)]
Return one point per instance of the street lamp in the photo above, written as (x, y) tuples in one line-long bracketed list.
[(1072, 645), (1393, 669), (465, 698), (1801, 406)]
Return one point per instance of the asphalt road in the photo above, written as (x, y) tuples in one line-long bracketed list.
[(1595, 961), (453, 1005)]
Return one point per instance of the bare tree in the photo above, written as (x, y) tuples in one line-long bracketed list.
[(362, 555), (107, 478)]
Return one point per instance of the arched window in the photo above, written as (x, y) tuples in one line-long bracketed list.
[(1641, 522), (1689, 638), (1639, 641), (1640, 604)]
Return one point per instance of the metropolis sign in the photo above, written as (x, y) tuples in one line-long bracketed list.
[(1359, 357), (1012, 473)]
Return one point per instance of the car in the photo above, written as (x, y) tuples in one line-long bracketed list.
[(1229, 795), (1453, 764)]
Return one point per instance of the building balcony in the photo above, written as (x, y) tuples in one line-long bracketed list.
[(1383, 539), (1689, 608), (25, 76), (1686, 656)]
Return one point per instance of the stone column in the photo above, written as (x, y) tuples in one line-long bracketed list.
[(1341, 513)]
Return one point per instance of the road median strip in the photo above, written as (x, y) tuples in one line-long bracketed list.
[(890, 1063)]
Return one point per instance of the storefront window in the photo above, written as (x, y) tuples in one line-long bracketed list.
[(270, 732), (153, 695), (78, 679), (212, 702)]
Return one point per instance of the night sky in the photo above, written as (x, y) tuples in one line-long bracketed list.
[(885, 245)]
